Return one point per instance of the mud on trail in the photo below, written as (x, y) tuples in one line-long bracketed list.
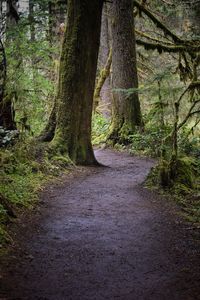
[(102, 235)]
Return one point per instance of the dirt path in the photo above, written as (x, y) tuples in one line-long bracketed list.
[(103, 236)]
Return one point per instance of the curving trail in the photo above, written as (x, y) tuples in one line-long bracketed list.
[(102, 235)]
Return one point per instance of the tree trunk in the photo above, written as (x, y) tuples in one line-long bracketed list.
[(6, 105), (48, 132), (103, 76), (104, 97), (77, 79), (2, 83), (32, 20), (126, 114), (57, 14)]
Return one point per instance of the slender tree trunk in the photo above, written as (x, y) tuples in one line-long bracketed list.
[(103, 84), (77, 79), (32, 20), (57, 15), (48, 133), (126, 114), (6, 105), (2, 83), (103, 76)]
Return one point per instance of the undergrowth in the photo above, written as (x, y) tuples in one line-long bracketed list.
[(100, 126), (184, 189), (25, 169), (184, 185)]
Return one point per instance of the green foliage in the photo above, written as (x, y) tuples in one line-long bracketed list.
[(30, 80), (25, 169), (19, 178), (100, 126), (149, 142), (181, 182), (189, 143), (182, 172), (61, 161), (3, 215), (4, 236)]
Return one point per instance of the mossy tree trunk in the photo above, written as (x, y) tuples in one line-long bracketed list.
[(104, 74), (103, 84), (77, 79), (6, 99), (57, 15), (48, 132), (126, 114)]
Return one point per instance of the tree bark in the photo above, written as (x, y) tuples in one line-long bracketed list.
[(104, 99), (2, 82), (6, 105), (77, 79), (126, 113), (57, 14), (103, 76), (32, 20)]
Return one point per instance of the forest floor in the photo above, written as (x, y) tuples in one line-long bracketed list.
[(102, 235)]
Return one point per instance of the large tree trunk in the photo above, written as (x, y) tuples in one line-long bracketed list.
[(77, 79), (126, 114)]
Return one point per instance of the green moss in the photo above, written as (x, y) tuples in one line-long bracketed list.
[(59, 146), (61, 161), (3, 215), (153, 179), (125, 132), (179, 172), (179, 180), (25, 169), (182, 172), (164, 176), (4, 237)]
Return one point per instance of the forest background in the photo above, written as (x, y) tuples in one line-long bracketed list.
[(161, 91)]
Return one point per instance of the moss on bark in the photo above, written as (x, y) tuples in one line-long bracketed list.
[(102, 78), (77, 79), (126, 114)]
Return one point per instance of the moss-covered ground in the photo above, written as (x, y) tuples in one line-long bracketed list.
[(25, 170)]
